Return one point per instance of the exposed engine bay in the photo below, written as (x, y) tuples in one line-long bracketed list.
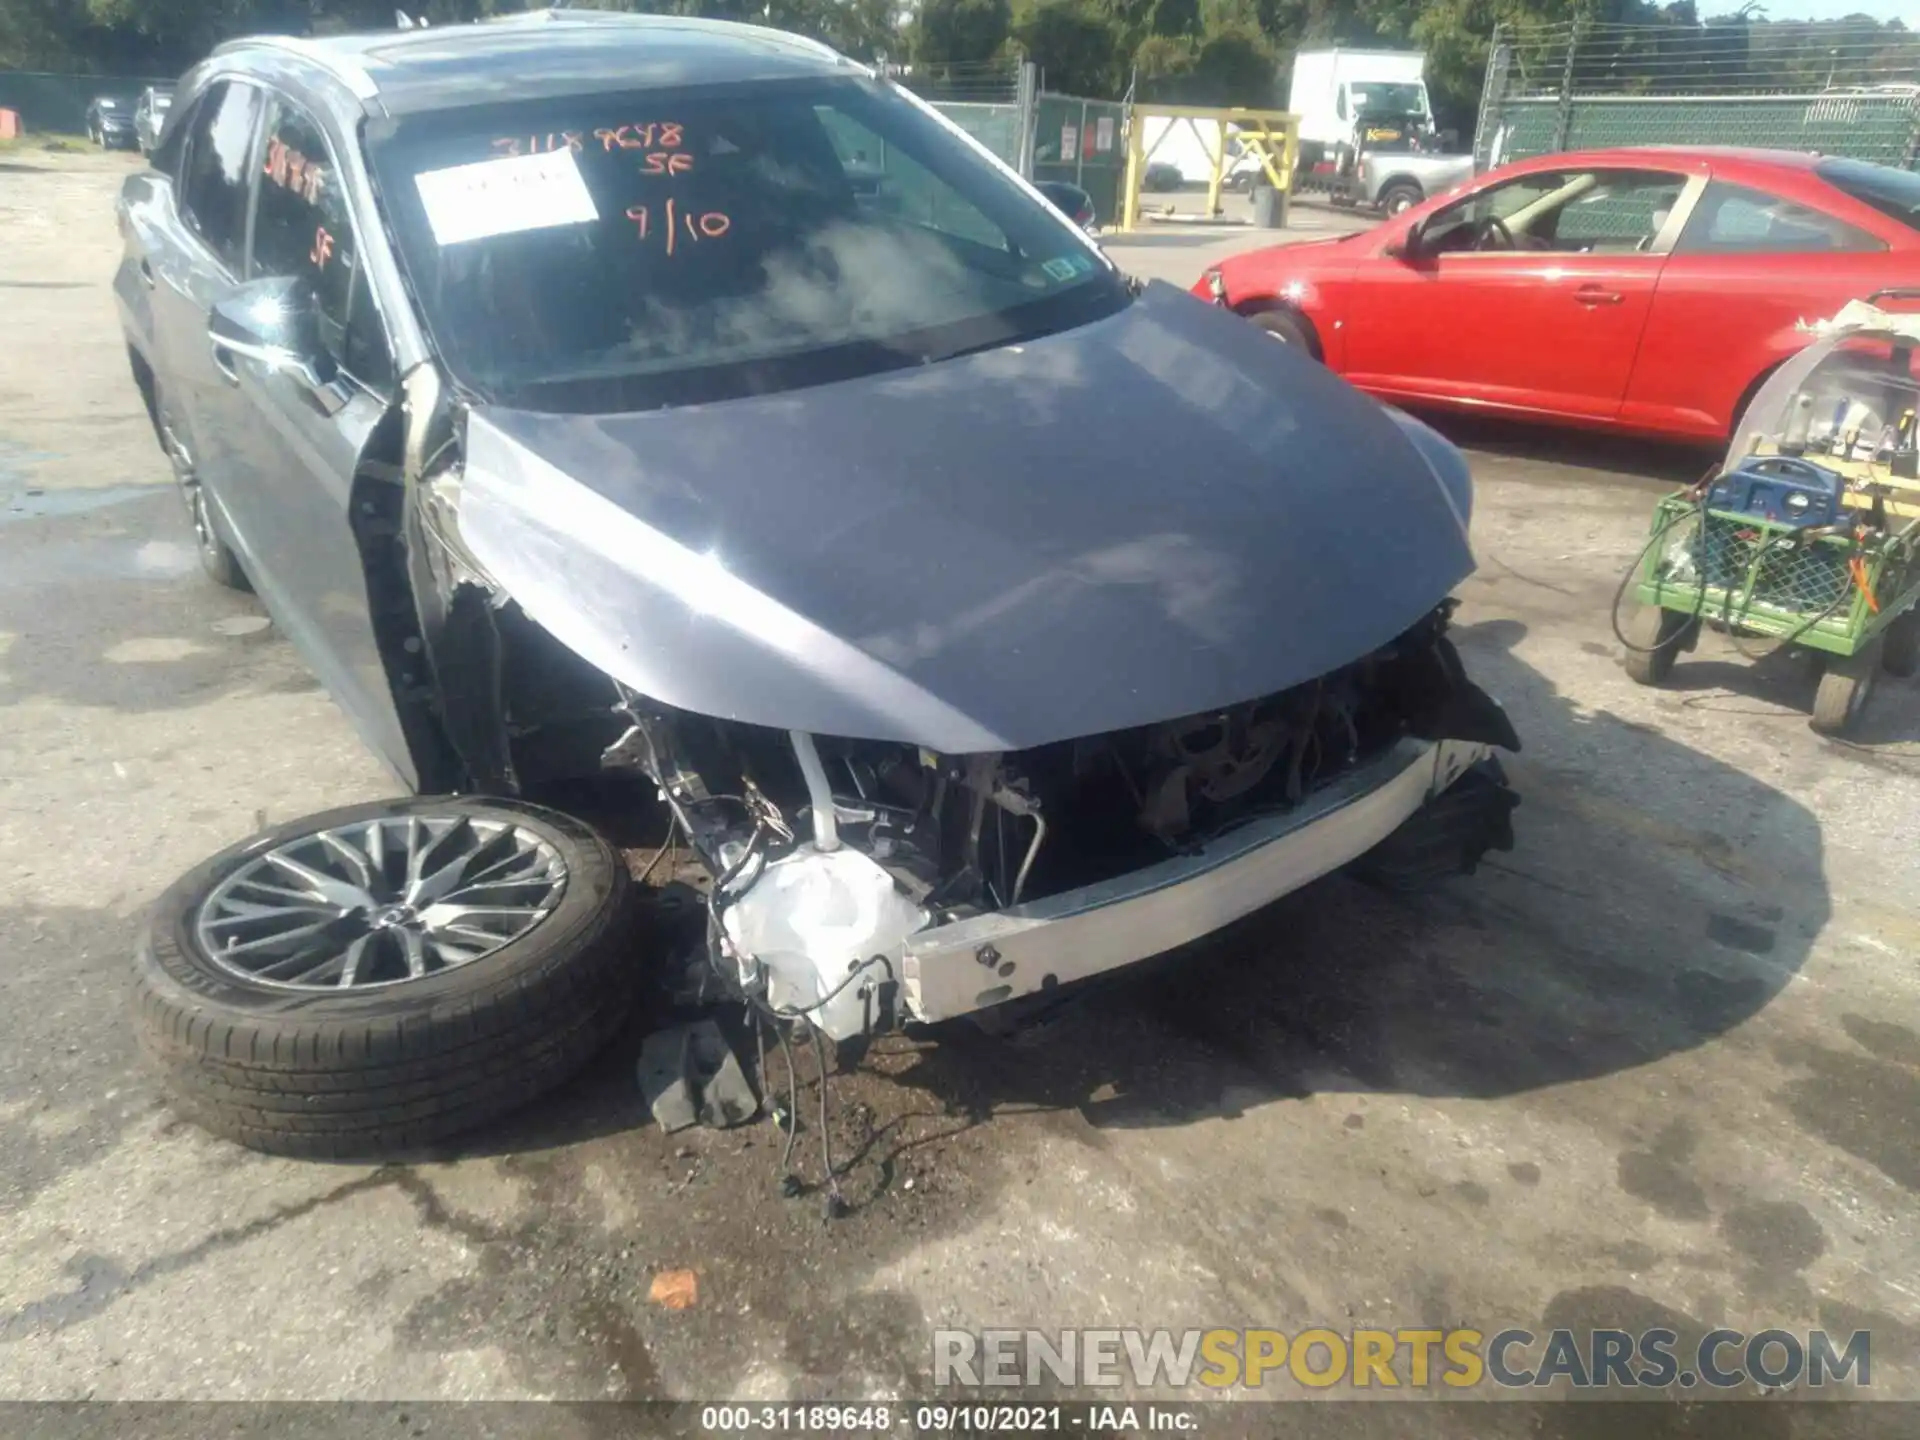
[(588, 608), (827, 854)]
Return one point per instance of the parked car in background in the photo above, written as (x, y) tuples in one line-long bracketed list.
[(1648, 290), (580, 418), (1162, 175), (1070, 200), (110, 123), (150, 116)]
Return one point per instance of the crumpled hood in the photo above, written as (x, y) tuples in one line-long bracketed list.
[(1153, 515)]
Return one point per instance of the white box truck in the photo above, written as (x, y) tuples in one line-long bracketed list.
[(1331, 87), (1366, 128)]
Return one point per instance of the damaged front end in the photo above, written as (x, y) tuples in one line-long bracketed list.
[(907, 694), (860, 884)]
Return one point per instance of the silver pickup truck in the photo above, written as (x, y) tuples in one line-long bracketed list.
[(1394, 182)]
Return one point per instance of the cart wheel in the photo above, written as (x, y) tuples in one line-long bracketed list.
[(1654, 637), (1900, 645), (1845, 684)]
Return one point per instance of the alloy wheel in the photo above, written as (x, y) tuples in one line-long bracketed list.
[(380, 902)]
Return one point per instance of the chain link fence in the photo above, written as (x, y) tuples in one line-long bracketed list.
[(990, 100), (1084, 143), (1849, 87)]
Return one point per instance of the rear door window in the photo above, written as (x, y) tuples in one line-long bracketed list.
[(217, 171)]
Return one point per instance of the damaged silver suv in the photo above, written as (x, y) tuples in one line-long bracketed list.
[(589, 394)]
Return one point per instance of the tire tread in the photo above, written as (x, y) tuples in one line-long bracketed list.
[(312, 1075)]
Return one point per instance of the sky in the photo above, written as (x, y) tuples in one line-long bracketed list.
[(1907, 10)]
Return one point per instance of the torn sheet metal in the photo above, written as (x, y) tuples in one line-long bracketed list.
[(1149, 516)]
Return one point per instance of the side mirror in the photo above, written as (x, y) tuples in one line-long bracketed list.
[(276, 322), (1407, 247)]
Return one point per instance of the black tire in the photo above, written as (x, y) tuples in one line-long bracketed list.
[(1845, 683), (342, 1074), (1399, 196), (1655, 636), (1900, 646), (217, 559), (1286, 327)]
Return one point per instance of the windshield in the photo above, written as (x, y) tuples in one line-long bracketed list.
[(622, 251), (1381, 97), (1891, 192)]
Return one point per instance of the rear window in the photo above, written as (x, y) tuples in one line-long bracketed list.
[(1895, 193)]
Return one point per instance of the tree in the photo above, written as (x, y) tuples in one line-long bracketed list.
[(177, 32), (1234, 66), (1076, 46), (1162, 65), (959, 31), (42, 34)]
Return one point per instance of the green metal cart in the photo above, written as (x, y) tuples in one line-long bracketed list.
[(1850, 597), (1809, 533)]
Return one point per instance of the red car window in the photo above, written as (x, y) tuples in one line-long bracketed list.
[(1737, 220)]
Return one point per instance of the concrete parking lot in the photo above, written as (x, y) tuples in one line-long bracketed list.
[(1660, 1064)]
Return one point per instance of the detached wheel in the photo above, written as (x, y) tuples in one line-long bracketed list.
[(1284, 326), (1655, 637), (1399, 197), (1845, 683), (383, 976), (1900, 646)]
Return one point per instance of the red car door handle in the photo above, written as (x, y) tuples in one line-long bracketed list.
[(1594, 295)]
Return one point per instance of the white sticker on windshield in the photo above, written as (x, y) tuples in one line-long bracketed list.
[(500, 197)]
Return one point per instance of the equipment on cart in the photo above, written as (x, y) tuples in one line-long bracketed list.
[(1809, 532), (1781, 489)]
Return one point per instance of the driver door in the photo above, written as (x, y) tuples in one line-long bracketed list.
[(302, 449), (1528, 295)]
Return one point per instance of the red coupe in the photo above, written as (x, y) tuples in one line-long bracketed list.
[(1647, 290)]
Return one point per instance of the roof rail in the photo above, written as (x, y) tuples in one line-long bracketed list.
[(561, 9), (355, 78)]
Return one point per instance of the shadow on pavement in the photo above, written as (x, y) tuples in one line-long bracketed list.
[(1606, 940), (1655, 460)]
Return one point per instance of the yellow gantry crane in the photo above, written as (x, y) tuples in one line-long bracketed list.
[(1272, 136)]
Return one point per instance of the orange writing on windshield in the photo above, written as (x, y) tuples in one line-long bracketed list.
[(654, 134), (510, 145), (708, 225)]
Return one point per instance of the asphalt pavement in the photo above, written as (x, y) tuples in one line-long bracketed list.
[(1658, 1065)]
